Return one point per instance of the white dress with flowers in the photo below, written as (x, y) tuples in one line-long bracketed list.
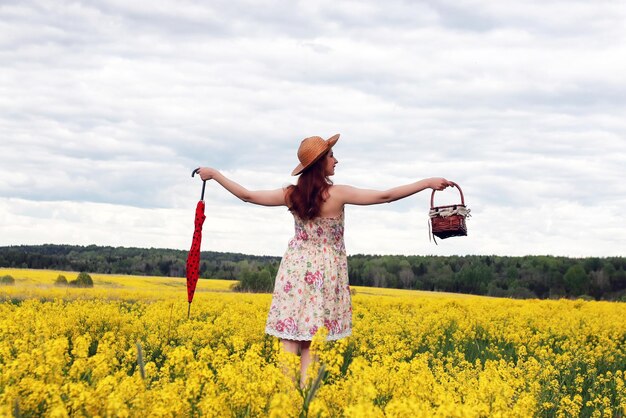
[(311, 288)]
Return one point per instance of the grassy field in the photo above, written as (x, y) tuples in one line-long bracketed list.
[(126, 348)]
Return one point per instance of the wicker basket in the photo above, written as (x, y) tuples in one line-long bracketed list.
[(448, 221)]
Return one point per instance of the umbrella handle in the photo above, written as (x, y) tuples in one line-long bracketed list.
[(193, 173)]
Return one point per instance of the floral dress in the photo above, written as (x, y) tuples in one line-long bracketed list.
[(311, 288)]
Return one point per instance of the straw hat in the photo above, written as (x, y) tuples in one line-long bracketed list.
[(311, 149)]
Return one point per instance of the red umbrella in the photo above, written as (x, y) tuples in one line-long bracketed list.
[(193, 258)]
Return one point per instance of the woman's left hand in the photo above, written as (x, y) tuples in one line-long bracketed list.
[(439, 183)]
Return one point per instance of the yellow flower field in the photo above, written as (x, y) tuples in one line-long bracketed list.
[(126, 348)]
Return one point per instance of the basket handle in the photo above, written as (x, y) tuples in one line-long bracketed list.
[(432, 196)]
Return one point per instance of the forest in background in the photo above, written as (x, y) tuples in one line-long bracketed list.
[(518, 277)]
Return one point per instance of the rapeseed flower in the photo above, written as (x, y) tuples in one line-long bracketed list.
[(74, 352)]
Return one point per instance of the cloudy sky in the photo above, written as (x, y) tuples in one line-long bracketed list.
[(106, 106)]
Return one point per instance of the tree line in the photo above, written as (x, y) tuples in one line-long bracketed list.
[(518, 277)]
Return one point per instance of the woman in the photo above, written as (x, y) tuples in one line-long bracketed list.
[(311, 288)]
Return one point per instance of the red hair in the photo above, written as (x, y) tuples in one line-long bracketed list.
[(306, 197)]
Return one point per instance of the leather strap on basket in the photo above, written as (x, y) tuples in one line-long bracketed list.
[(431, 235), (432, 196)]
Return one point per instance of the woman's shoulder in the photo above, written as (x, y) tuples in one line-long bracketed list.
[(339, 187)]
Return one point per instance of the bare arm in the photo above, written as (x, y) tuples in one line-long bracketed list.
[(356, 196), (260, 197)]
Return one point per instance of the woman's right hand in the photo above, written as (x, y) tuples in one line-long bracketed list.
[(439, 183), (206, 173)]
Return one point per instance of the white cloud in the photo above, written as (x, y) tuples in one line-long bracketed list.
[(108, 105)]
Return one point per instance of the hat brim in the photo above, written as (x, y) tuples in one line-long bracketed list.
[(330, 142)]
